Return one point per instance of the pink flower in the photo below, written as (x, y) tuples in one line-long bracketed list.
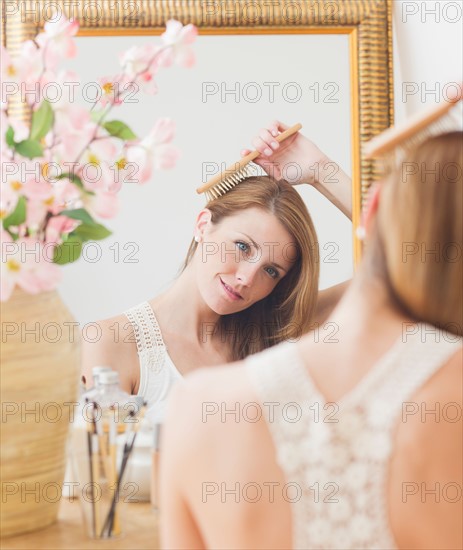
[(58, 226), (154, 151), (72, 117), (63, 89), (30, 67), (21, 130), (62, 29), (10, 68), (37, 189), (138, 59), (140, 65), (105, 148), (146, 83), (26, 263), (73, 131), (179, 38), (102, 204), (98, 172), (15, 174), (35, 215), (57, 40), (98, 177), (65, 195), (111, 89), (44, 197), (8, 198)]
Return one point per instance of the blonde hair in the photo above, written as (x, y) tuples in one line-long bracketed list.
[(288, 311), (419, 226)]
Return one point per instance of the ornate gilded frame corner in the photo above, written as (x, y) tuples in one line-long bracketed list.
[(368, 24)]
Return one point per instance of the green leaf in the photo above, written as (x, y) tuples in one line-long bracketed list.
[(68, 251), (79, 214), (14, 236), (18, 216), (95, 232), (9, 137), (119, 129), (29, 148), (42, 121)]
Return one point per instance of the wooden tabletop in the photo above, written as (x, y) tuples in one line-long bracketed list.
[(139, 525)]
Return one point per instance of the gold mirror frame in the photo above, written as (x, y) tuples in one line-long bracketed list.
[(368, 24)]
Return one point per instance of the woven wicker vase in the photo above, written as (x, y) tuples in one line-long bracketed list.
[(40, 361)]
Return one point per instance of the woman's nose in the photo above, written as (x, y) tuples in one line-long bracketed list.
[(246, 273)]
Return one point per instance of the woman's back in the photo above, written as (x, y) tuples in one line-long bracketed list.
[(357, 471), (338, 453)]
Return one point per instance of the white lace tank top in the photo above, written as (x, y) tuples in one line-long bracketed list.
[(157, 371), (335, 456)]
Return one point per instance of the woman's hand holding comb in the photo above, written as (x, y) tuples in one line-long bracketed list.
[(298, 160)]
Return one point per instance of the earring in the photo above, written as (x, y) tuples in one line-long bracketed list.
[(197, 238)]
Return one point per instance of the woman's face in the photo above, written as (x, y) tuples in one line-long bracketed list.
[(240, 260)]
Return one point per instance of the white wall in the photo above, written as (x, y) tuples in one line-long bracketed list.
[(428, 53)]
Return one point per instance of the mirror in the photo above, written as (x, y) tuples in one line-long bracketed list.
[(301, 63)]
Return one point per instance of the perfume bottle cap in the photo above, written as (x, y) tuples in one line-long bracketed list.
[(108, 377), (98, 370)]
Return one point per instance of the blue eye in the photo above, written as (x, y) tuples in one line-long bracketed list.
[(242, 246), (272, 272)]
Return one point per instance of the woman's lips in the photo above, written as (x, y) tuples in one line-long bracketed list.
[(230, 292)]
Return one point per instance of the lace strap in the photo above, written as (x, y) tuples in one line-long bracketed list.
[(420, 358), (280, 380), (352, 450), (280, 376), (150, 345)]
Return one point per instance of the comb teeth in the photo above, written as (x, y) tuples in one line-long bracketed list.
[(227, 183)]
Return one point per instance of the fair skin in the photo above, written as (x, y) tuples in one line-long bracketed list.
[(233, 268), (314, 167), (199, 456), (183, 328)]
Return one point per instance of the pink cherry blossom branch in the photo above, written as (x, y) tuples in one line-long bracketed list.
[(98, 124)]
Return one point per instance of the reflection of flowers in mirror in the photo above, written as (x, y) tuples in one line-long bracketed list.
[(62, 170)]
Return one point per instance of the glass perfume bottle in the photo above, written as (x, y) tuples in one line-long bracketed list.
[(92, 392), (103, 439)]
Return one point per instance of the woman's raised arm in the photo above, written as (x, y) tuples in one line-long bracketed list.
[(299, 161)]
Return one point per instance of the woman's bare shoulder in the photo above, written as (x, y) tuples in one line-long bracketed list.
[(433, 416), (428, 463), (111, 342), (206, 398), (439, 404)]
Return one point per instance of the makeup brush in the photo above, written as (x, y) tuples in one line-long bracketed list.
[(103, 445), (90, 462), (128, 446), (96, 467), (113, 469)]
